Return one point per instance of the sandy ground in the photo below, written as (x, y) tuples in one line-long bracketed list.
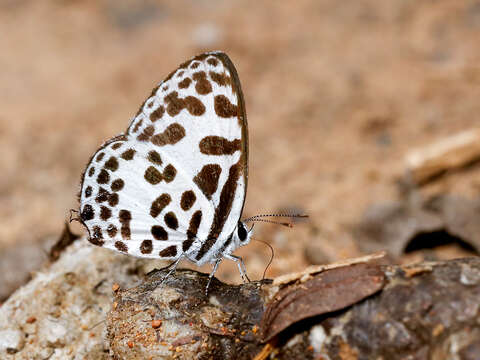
[(336, 94)]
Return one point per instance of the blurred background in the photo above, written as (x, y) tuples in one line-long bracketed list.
[(337, 94)]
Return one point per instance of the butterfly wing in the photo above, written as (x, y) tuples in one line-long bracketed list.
[(184, 187)]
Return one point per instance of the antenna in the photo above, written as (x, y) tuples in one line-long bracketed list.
[(260, 218)]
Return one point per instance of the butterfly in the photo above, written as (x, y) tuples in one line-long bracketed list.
[(173, 185)]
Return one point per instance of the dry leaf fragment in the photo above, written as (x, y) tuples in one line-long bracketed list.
[(315, 269), (328, 291)]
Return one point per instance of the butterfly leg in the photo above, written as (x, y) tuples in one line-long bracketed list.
[(241, 266), (215, 267), (173, 268)]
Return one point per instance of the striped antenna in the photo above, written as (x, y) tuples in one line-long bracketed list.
[(260, 218)]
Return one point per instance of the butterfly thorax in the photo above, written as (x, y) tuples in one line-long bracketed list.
[(224, 246)]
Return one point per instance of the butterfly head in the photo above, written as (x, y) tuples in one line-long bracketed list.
[(241, 234)]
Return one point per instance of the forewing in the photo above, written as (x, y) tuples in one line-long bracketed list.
[(197, 116)]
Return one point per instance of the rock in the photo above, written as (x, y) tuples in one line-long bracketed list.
[(69, 311), (406, 226), (61, 312)]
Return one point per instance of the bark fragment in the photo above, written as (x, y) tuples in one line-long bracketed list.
[(451, 153), (425, 311), (222, 324)]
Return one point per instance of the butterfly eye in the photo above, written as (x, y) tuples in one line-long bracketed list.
[(242, 232)]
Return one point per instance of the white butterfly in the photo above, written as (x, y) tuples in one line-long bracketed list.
[(174, 184)]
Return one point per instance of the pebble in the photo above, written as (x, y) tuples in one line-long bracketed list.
[(11, 341), (469, 275)]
